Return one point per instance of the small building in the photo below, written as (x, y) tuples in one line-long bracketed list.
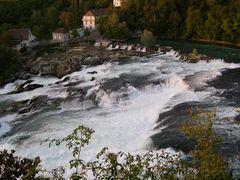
[(61, 35), (21, 38), (117, 3), (91, 17)]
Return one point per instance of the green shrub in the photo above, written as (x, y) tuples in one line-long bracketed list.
[(148, 39), (13, 167), (206, 160), (195, 52), (9, 62)]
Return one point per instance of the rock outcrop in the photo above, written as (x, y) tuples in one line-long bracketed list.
[(26, 86)]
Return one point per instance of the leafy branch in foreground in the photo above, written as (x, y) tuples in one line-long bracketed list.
[(13, 167), (109, 165), (150, 165), (206, 160), (79, 138)]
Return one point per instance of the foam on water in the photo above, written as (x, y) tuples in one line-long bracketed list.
[(123, 119), (10, 87), (4, 123)]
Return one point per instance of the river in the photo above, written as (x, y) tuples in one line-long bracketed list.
[(131, 104)]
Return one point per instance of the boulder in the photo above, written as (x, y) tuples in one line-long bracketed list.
[(92, 72), (31, 87), (20, 88), (35, 103), (26, 86), (64, 80)]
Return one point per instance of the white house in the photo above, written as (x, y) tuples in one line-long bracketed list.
[(22, 38), (60, 34), (117, 3), (91, 17)]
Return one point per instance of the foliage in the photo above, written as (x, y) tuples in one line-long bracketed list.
[(75, 33), (148, 39), (66, 19), (109, 165), (13, 167), (184, 18), (5, 38), (195, 52), (113, 28), (208, 163), (76, 141), (9, 62), (87, 32), (189, 19), (52, 18), (43, 17), (102, 3), (150, 165)]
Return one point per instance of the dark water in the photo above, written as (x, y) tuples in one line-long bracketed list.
[(229, 54)]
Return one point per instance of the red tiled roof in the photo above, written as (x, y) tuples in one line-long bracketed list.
[(19, 34), (60, 31), (96, 12), (89, 13)]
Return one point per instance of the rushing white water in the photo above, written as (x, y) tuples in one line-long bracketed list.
[(124, 116)]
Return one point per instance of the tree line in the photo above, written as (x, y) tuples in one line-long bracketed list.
[(176, 19), (217, 20), (43, 16)]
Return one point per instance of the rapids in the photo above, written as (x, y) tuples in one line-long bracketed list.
[(132, 104)]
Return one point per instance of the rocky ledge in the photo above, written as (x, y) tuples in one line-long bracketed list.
[(61, 64)]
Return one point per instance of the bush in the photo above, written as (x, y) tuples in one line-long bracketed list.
[(75, 33), (195, 52), (13, 167), (9, 62), (206, 160), (148, 39), (87, 32)]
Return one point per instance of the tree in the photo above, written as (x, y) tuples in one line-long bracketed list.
[(5, 38), (194, 23), (51, 18), (148, 38), (206, 160), (9, 62), (87, 32), (102, 3), (113, 28), (41, 31), (75, 13), (75, 33), (66, 19), (36, 18)]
